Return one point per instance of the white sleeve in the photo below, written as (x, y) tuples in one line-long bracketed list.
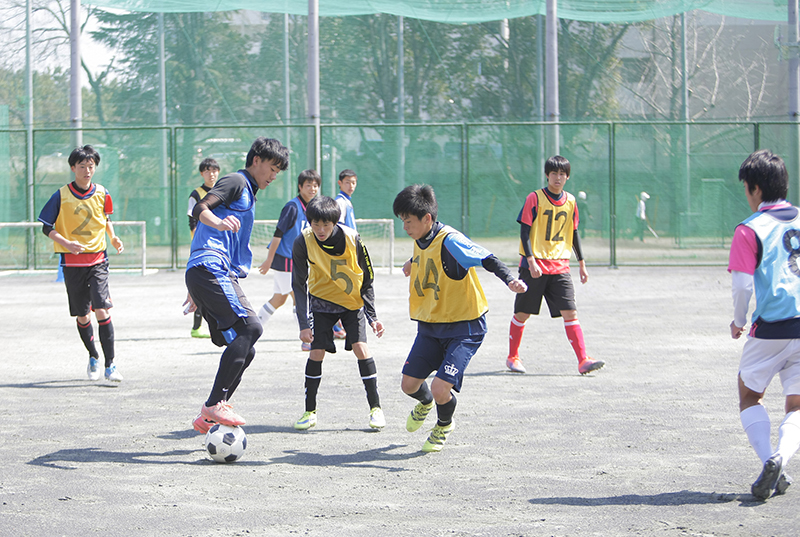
[(342, 203), (192, 203), (741, 290)]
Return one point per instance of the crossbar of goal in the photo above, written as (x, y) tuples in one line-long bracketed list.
[(377, 234), (32, 226)]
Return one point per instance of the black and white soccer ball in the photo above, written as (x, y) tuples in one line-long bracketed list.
[(225, 443)]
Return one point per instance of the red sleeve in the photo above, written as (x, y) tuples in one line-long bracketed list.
[(527, 215), (109, 205), (575, 217)]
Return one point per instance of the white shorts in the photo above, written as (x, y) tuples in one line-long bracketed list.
[(283, 282), (762, 359)]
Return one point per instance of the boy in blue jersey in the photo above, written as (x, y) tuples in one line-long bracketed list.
[(347, 185), (332, 268), (220, 256), (291, 224), (447, 301), (764, 258), (76, 219)]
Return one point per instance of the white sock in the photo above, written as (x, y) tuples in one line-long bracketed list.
[(755, 421), (265, 312), (789, 436)]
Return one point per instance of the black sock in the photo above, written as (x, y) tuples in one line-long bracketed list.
[(369, 376), (235, 359), (445, 411), (423, 395), (106, 330), (313, 378), (87, 336), (198, 319)]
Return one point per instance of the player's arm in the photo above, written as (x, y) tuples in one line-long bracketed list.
[(576, 247), (467, 254), (526, 218), (744, 257), (741, 291), (227, 190), (48, 217), (367, 289), (300, 287), (190, 210), (273, 247), (116, 242)]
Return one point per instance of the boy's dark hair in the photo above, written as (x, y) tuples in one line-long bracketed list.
[(767, 171), (346, 173), (556, 163), (308, 175), (208, 164), (268, 149), (323, 209), (80, 154), (416, 200)]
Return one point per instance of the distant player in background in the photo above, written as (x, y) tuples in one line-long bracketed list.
[(548, 233), (220, 256), (641, 215), (347, 185), (209, 171), (447, 301), (332, 268), (76, 218), (764, 257), (291, 224)]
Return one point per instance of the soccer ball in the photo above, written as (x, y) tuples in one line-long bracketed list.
[(225, 443)]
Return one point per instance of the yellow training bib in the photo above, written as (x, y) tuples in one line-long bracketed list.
[(551, 232), (434, 297), (335, 278), (82, 220)]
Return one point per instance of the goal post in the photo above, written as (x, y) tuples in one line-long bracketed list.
[(24, 247), (377, 234)]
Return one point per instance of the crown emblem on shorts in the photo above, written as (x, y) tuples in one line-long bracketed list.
[(451, 370)]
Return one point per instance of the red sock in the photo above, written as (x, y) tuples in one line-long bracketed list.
[(515, 336), (575, 337)]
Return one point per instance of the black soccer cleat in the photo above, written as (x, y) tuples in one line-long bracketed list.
[(767, 482)]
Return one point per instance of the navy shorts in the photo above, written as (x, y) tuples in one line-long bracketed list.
[(221, 300), (449, 357), (557, 290), (354, 323), (87, 288)]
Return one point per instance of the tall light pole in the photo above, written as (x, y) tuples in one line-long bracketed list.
[(75, 109), (313, 79), (552, 107)]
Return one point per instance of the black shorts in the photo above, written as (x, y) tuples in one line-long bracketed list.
[(354, 323), (221, 300), (557, 290), (87, 288)]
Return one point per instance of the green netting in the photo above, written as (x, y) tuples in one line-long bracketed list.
[(472, 11), (481, 174)]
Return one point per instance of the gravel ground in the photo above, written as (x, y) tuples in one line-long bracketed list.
[(649, 445)]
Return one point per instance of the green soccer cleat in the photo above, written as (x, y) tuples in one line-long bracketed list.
[(200, 333), (437, 438), (306, 421), (417, 416), (376, 418)]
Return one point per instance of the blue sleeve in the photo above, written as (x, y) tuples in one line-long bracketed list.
[(50, 211), (287, 218), (464, 251)]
